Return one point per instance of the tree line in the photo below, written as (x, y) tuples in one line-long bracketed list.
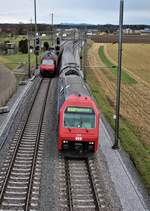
[(22, 29)]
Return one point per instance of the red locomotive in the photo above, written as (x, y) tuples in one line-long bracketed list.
[(49, 64), (78, 117)]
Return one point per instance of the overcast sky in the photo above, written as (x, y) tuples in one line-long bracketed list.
[(75, 11)]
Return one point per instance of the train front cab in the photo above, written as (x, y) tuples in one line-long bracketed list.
[(78, 126), (49, 66)]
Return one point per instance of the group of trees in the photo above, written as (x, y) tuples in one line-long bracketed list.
[(23, 46), (22, 29)]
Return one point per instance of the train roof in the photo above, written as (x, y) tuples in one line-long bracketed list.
[(70, 56), (69, 69), (74, 85)]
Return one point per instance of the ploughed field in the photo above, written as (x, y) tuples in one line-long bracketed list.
[(113, 38), (135, 96)]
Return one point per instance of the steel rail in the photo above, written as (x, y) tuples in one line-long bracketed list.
[(14, 110), (36, 150), (98, 207), (68, 183), (70, 204), (16, 149)]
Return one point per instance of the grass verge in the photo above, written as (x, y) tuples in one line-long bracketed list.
[(126, 79), (12, 61), (130, 142)]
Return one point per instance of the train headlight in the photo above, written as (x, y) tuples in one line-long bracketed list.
[(91, 142), (65, 142), (65, 145)]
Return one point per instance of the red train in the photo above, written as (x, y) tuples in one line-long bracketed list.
[(78, 114), (49, 64)]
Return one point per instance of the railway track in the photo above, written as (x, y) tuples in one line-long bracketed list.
[(81, 187), (20, 175), (27, 101)]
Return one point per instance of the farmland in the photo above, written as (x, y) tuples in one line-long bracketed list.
[(135, 97), (111, 38), (135, 58)]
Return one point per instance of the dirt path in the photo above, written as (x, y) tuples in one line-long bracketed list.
[(7, 84), (135, 99)]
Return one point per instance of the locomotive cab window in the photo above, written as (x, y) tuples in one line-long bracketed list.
[(47, 61), (79, 117)]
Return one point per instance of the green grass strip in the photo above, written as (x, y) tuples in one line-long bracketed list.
[(126, 79), (12, 61)]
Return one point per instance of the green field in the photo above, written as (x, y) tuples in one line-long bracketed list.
[(13, 61), (126, 79)]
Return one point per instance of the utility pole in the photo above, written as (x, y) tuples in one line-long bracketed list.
[(84, 60), (31, 26), (118, 87), (52, 19), (29, 60), (36, 63), (29, 35), (74, 36), (80, 38)]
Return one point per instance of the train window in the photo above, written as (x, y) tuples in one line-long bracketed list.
[(77, 117), (47, 61)]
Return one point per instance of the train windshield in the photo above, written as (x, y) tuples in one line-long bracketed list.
[(79, 117), (47, 61)]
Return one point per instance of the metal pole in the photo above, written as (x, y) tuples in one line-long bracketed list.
[(74, 37), (84, 56), (29, 64), (116, 144), (52, 18), (36, 62), (31, 26), (35, 16), (81, 49)]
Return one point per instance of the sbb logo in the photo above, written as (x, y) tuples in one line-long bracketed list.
[(78, 138)]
